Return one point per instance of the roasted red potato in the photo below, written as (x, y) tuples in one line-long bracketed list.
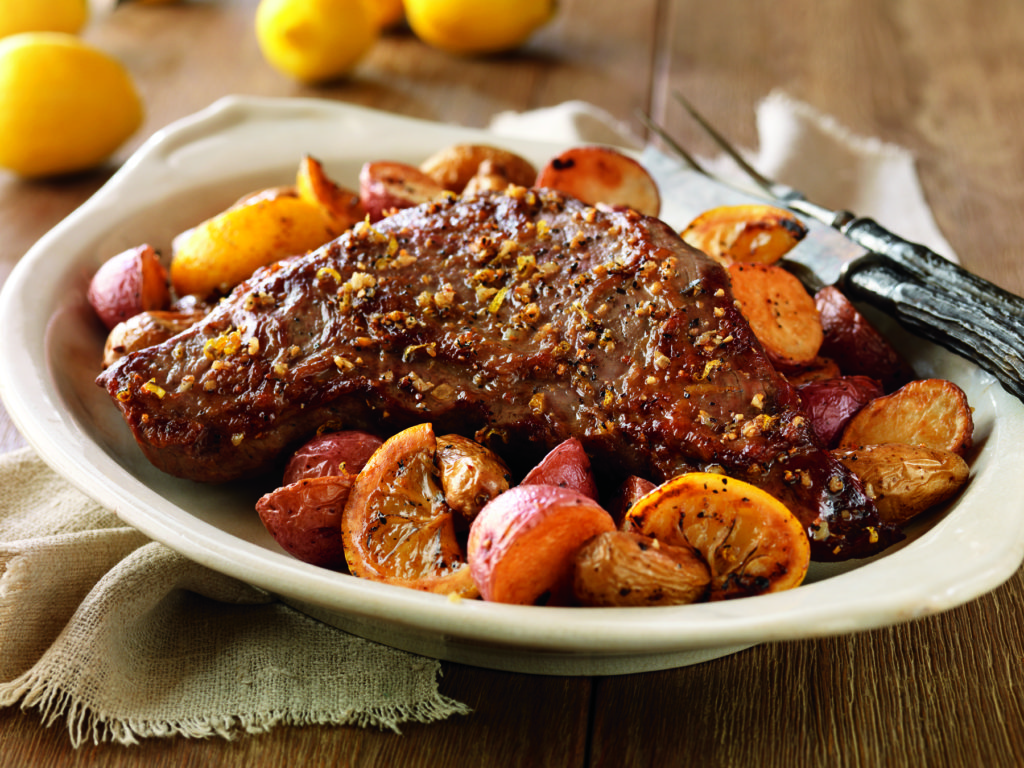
[(831, 403), (305, 518), (781, 314), (567, 466), (144, 330), (855, 344), (750, 541), (631, 490), (597, 174), (453, 167), (131, 282), (471, 475), (523, 543), (905, 480), (751, 232), (627, 569), (333, 453), (385, 187), (930, 412)]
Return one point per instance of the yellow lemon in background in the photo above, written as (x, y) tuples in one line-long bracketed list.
[(315, 40), (42, 16), (474, 26), (64, 105), (386, 13)]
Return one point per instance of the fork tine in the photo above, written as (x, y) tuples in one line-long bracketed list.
[(766, 184), (672, 143)]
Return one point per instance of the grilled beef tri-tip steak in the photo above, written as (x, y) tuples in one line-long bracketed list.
[(520, 318)]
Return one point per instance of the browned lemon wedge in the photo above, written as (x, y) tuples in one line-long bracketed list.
[(396, 527), (750, 541)]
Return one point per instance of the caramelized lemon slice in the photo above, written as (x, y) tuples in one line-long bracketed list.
[(396, 527), (750, 541)]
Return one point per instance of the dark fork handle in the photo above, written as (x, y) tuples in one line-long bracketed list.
[(957, 320), (930, 268)]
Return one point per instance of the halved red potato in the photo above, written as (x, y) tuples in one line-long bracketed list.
[(385, 187), (341, 205), (750, 232), (905, 480), (931, 412), (454, 166), (305, 518), (750, 541), (522, 544), (781, 314), (627, 569), (396, 527), (332, 453), (598, 174), (855, 344), (631, 490), (829, 404), (131, 282), (471, 475), (816, 370), (567, 466)]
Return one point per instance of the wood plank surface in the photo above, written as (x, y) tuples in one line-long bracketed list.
[(941, 77)]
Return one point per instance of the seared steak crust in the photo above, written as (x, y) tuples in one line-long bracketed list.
[(520, 319)]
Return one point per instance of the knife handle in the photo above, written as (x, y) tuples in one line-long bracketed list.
[(957, 322), (931, 268)]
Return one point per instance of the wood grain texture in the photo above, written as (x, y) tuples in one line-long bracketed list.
[(941, 77)]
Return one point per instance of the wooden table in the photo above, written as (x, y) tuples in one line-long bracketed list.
[(941, 77)]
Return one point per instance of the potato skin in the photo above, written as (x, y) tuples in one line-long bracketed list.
[(144, 330), (131, 282), (905, 480), (831, 403), (305, 519), (566, 466), (453, 167), (386, 186), (855, 344), (627, 569), (333, 453), (471, 474), (522, 544)]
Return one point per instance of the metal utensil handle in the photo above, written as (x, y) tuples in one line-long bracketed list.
[(929, 267), (959, 323)]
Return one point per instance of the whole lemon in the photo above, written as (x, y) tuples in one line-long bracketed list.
[(64, 105), (42, 16), (475, 27), (315, 40)]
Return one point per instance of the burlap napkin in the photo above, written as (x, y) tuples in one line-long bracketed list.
[(124, 639)]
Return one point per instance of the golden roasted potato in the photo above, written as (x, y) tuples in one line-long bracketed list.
[(597, 174), (781, 314), (905, 480), (627, 569), (144, 330), (930, 412), (752, 232), (471, 474), (454, 166), (225, 249)]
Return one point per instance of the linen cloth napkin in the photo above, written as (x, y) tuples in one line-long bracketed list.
[(125, 639)]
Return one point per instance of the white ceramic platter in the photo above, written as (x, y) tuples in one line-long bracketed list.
[(51, 346)]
